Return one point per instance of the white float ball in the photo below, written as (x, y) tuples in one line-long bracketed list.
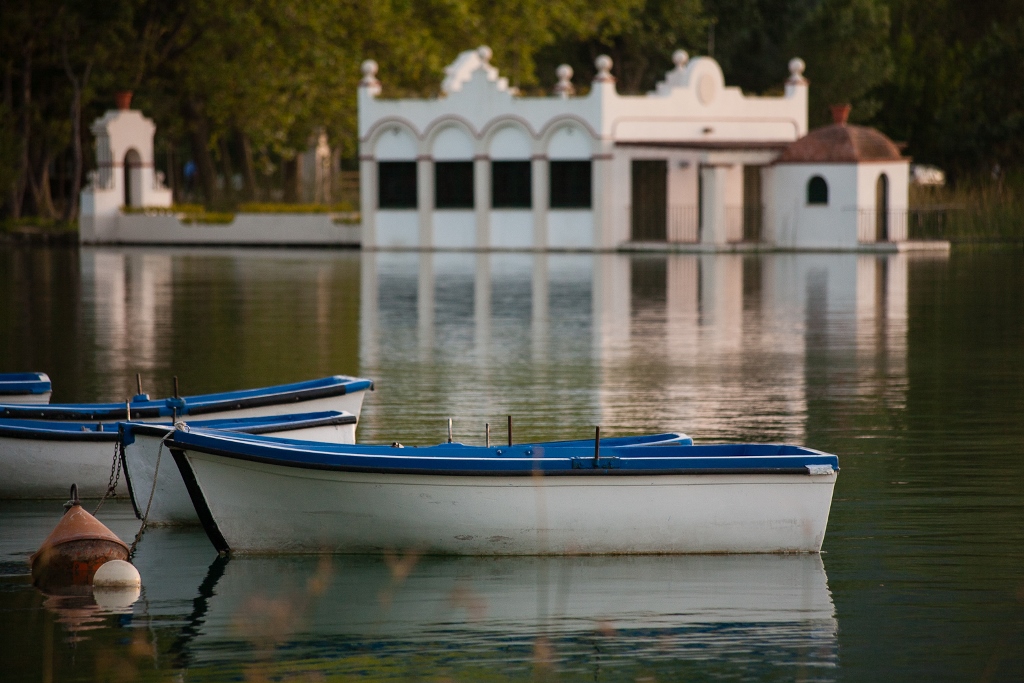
[(116, 574)]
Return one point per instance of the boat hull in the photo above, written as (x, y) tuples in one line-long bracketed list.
[(24, 387), (259, 507), (44, 468), (146, 457)]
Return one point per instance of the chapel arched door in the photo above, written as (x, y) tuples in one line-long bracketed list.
[(882, 209)]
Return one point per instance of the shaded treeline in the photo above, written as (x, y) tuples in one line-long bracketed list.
[(238, 86)]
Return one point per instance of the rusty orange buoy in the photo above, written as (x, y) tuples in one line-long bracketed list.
[(75, 549)]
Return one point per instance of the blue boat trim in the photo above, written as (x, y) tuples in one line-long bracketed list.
[(22, 383), (246, 425), (458, 460), (58, 431), (43, 430), (297, 392), (287, 393)]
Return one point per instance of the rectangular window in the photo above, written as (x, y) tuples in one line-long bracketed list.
[(453, 184), (570, 184), (511, 185), (396, 184)]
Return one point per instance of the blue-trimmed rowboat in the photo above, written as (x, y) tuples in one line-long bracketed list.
[(339, 392), (144, 455), (24, 387), (258, 494), (40, 459)]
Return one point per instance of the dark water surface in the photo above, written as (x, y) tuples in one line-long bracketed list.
[(910, 368)]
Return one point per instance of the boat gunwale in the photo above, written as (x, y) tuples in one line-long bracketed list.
[(70, 434), (24, 383), (248, 425), (603, 467), (336, 385)]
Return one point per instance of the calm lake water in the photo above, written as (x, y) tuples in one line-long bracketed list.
[(910, 368)]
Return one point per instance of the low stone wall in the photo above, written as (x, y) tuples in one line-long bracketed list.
[(246, 229)]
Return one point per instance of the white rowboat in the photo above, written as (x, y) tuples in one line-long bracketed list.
[(338, 392), (24, 387), (41, 459), (263, 495)]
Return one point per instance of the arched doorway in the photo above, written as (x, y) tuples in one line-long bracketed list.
[(132, 178), (882, 209)]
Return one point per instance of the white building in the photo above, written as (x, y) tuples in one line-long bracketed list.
[(840, 187), (693, 163), (481, 167), (125, 175)]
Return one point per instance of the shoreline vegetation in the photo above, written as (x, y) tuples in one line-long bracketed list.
[(240, 91)]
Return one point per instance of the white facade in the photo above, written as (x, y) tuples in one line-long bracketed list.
[(855, 214), (697, 132), (125, 175)]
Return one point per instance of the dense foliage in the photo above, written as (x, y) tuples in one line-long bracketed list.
[(238, 87)]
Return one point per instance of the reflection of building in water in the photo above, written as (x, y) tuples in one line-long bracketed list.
[(719, 345), (245, 318), (132, 296)]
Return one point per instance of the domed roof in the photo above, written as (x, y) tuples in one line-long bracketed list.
[(841, 143)]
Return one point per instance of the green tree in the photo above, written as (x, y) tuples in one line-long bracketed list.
[(845, 44), (987, 109)]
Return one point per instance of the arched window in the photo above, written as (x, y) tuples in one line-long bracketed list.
[(817, 190)]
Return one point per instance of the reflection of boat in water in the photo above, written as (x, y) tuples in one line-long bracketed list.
[(328, 606)]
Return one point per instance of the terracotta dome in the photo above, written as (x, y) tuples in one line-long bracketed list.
[(841, 143)]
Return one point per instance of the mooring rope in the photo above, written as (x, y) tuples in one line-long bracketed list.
[(152, 490)]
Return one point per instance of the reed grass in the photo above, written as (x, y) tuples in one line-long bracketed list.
[(973, 210)]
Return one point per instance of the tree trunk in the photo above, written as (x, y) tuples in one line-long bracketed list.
[(46, 208), (18, 190), (228, 168), (9, 86), (39, 184), (248, 168), (172, 177), (291, 179), (71, 206), (199, 136)]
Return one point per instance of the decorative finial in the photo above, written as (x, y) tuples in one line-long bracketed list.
[(604, 68), (564, 87), (680, 58), (369, 68), (485, 53), (796, 71)]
